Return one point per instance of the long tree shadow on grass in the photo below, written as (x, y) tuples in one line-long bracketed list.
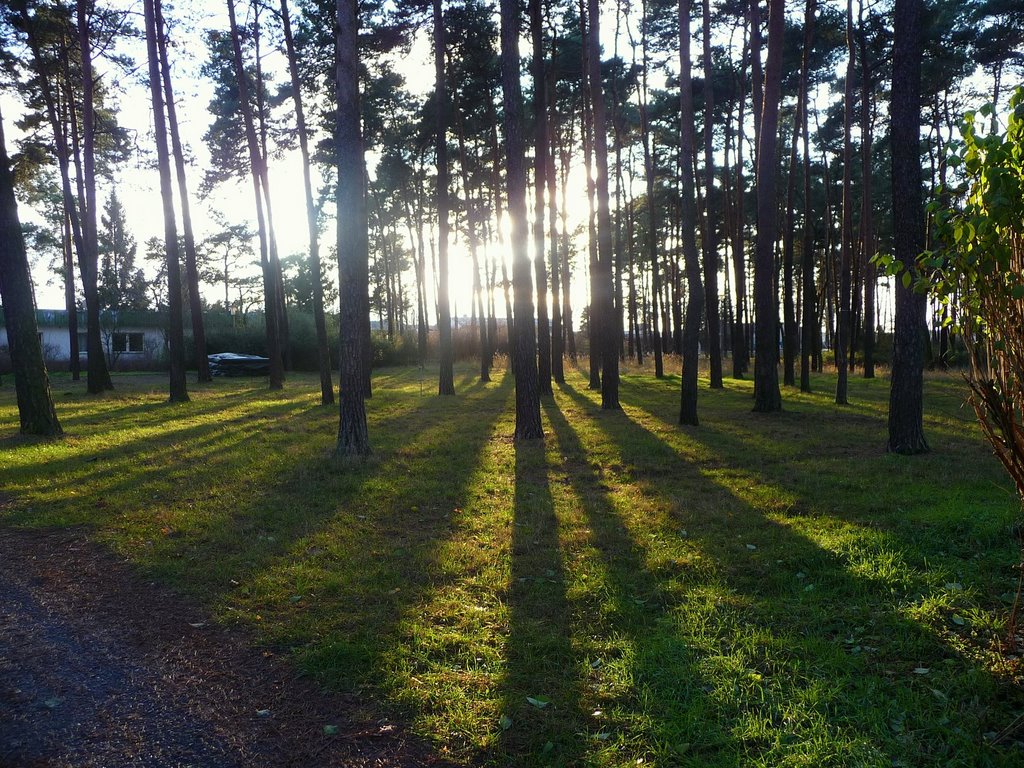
[(665, 714), (828, 466), (540, 688), (177, 454), (329, 562), (797, 646), (342, 592), (208, 504)]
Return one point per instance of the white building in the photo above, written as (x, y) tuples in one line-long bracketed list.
[(131, 339)]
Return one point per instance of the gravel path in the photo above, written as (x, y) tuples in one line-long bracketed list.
[(99, 668)]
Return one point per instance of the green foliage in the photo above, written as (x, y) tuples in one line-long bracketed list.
[(977, 240), (973, 267), (977, 270), (121, 284)]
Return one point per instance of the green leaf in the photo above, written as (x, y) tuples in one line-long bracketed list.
[(505, 722), (538, 701), (330, 730), (906, 279)]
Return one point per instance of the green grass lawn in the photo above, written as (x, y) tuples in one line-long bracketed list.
[(758, 591)]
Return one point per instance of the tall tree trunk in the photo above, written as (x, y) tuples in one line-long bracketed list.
[(610, 330), (176, 331), (767, 397), (587, 124), (711, 307), (677, 287), (741, 344), (789, 325), (72, 220), (652, 217), (557, 341), (97, 373), (687, 155), (191, 261), (323, 355), (75, 363), (524, 346), (446, 378), (472, 217), (275, 260), (540, 169), (422, 311), (906, 396), (353, 238), (810, 331), (492, 123), (566, 272), (757, 90), (270, 313), (32, 385), (866, 218), (842, 344)]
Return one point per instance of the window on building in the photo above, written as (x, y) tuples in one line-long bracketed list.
[(128, 342), (83, 344)]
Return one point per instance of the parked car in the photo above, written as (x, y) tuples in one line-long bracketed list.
[(233, 364)]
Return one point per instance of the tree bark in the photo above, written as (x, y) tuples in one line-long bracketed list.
[(810, 329), (842, 344), (710, 244), (191, 261), (557, 340), (323, 354), (741, 342), (32, 385), (866, 217), (472, 215), (446, 376), (695, 296), (767, 397), (69, 297), (566, 272), (524, 346), (275, 260), (72, 220), (97, 373), (610, 335), (540, 169), (757, 82), (789, 325), (353, 238), (906, 395), (587, 125), (652, 217), (176, 331)]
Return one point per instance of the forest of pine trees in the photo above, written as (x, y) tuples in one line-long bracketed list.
[(699, 182), (605, 377)]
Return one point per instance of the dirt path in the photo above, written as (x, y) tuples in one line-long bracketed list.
[(100, 668)]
